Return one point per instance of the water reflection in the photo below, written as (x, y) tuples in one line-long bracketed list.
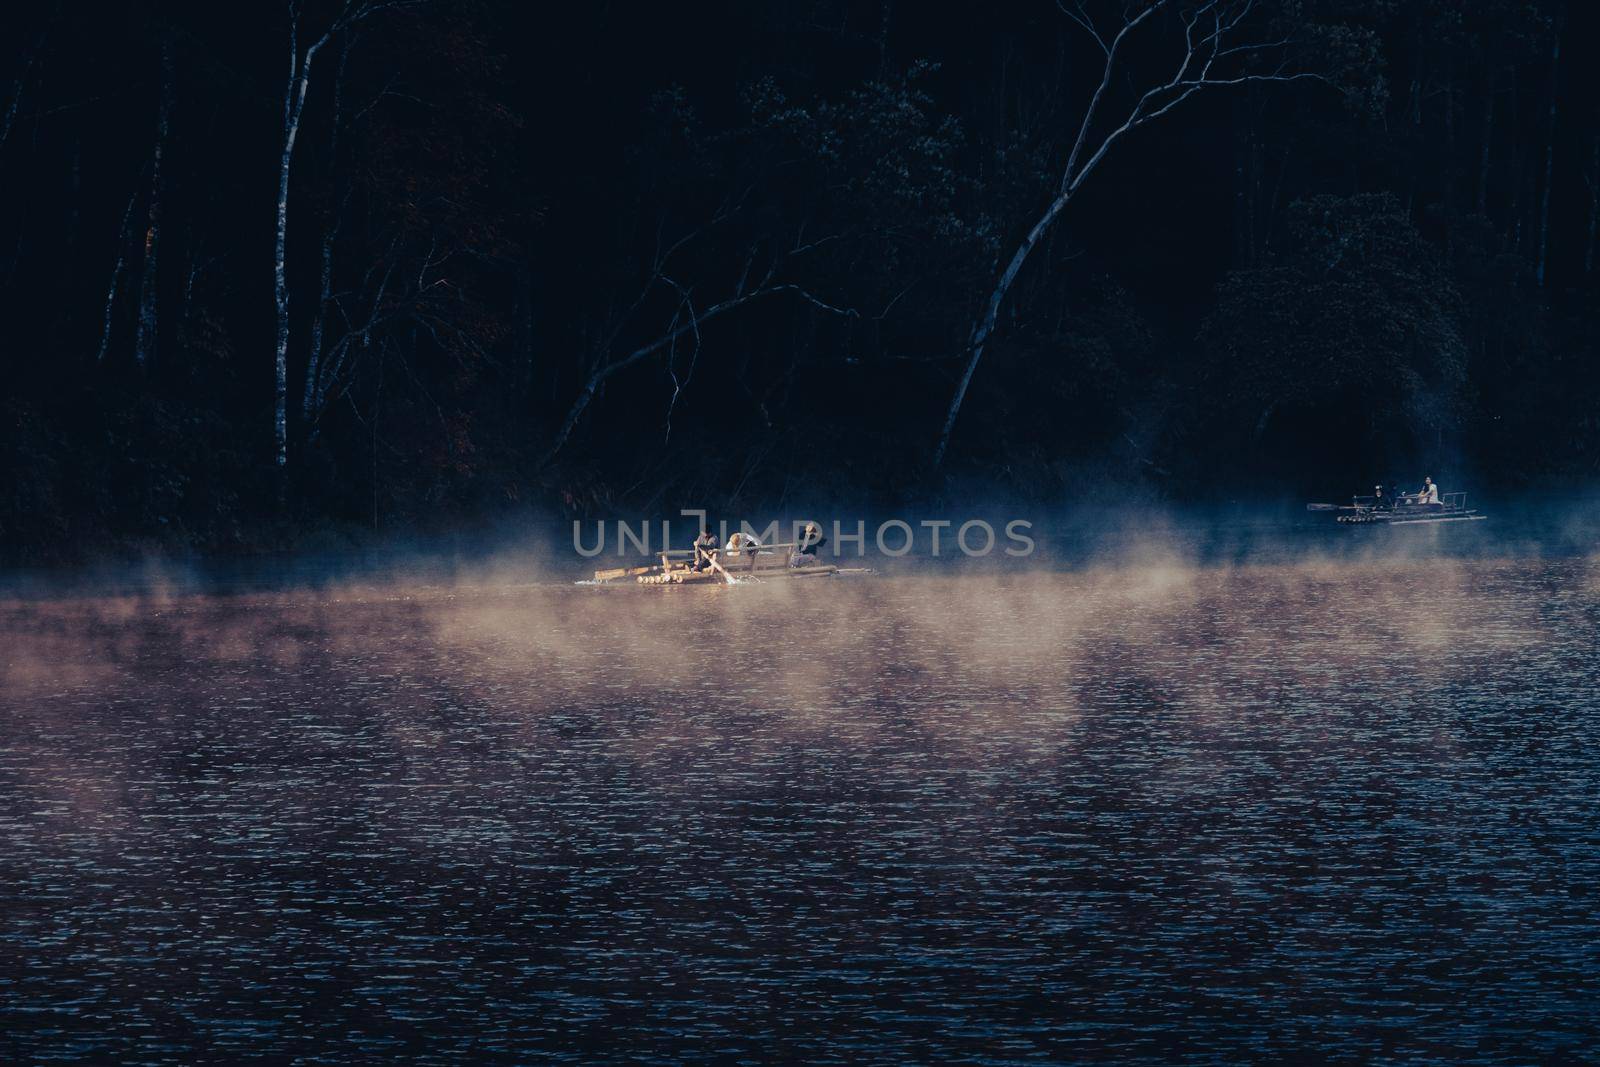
[(1156, 812)]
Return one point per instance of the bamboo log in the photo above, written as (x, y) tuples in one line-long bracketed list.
[(620, 572)]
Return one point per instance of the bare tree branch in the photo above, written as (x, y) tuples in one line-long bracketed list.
[(606, 370), (1206, 31), (1077, 14)]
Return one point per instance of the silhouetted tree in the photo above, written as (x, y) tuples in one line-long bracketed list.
[(1220, 47), (1357, 316)]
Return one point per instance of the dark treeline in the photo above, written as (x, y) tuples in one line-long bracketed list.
[(283, 273)]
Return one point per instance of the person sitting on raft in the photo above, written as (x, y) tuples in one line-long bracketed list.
[(744, 541), (1429, 494), (705, 550), (811, 539)]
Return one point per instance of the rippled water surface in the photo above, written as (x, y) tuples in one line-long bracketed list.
[(1348, 812)]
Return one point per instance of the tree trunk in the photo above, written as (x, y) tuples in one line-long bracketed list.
[(1515, 155), (16, 91), (1241, 149), (1449, 161), (190, 274), (65, 318), (149, 282), (330, 232), (312, 389), (885, 17), (1594, 206), (294, 102), (1253, 229), (280, 288), (1549, 155), (1484, 153), (116, 277), (522, 326), (1277, 195), (1260, 430), (75, 200), (991, 314)]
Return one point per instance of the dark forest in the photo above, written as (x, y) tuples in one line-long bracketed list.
[(298, 275)]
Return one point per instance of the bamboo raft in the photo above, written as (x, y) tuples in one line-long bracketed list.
[(724, 566), (1404, 510)]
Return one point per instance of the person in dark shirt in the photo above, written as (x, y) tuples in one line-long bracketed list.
[(705, 549), (811, 539)]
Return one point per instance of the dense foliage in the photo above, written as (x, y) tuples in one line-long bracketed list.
[(637, 257)]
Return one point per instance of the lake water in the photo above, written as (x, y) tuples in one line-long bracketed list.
[(1344, 809)]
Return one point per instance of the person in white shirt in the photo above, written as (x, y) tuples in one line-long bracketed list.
[(1429, 493), (742, 540)]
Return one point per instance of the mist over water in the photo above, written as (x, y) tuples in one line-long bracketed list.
[(1172, 803)]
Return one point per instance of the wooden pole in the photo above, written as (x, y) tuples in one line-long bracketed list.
[(711, 557)]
